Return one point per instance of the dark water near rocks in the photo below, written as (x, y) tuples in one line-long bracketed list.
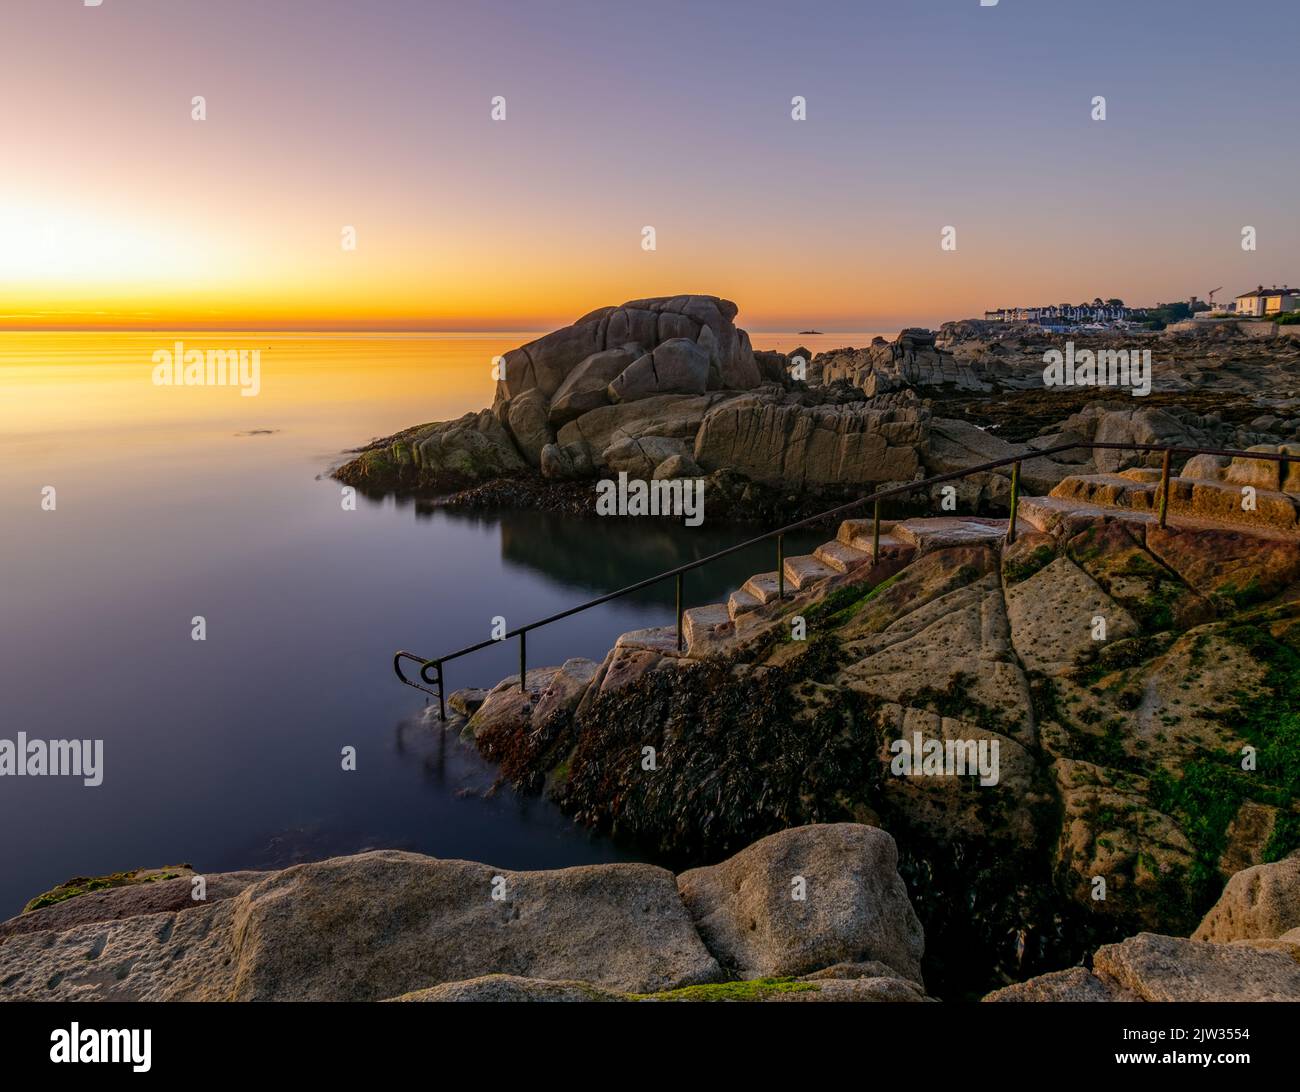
[(173, 503)]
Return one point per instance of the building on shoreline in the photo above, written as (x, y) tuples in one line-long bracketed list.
[(1268, 301), (1064, 316)]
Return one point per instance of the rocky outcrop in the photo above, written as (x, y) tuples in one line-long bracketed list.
[(388, 924), (807, 898), (1119, 670), (653, 369), (772, 440), (449, 454), (1148, 967), (677, 366), (612, 358), (157, 892), (1258, 903), (956, 445), (587, 386), (1247, 948)]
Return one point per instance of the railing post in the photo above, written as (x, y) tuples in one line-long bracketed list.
[(523, 658), (1015, 501), (442, 690), (875, 535), (679, 612), (1164, 490), (780, 566)]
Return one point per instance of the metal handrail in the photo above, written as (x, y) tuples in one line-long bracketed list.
[(1013, 461)]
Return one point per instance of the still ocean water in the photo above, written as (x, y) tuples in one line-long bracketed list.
[(176, 502)]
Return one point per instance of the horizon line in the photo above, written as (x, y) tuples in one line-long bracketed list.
[(398, 329)]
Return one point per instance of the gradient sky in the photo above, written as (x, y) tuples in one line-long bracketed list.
[(117, 208)]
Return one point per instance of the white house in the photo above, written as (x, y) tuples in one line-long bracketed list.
[(1268, 301)]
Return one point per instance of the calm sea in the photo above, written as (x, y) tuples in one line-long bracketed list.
[(173, 503)]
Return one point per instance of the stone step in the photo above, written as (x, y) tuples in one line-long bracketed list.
[(804, 570), (890, 544), (841, 557), (741, 602), (661, 639), (762, 587), (705, 627), (933, 532), (938, 532), (1048, 513), (1218, 502), (852, 529)]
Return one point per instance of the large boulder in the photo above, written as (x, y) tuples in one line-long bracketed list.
[(671, 416), (587, 386), (1149, 967), (548, 362), (565, 462), (780, 442), (378, 925), (677, 366), (527, 418), (956, 445), (854, 906), (472, 448), (1259, 902), (640, 457)]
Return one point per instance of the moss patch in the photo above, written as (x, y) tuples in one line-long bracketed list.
[(83, 885), (756, 989)]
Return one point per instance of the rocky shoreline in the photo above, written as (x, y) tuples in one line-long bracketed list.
[(1121, 753), (815, 913), (1135, 835), (1124, 803), (671, 388)]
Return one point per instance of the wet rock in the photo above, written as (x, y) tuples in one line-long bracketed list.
[(467, 701)]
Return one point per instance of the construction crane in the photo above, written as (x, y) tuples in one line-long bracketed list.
[(1212, 291)]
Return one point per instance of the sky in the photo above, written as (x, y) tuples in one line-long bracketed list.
[(118, 208)]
